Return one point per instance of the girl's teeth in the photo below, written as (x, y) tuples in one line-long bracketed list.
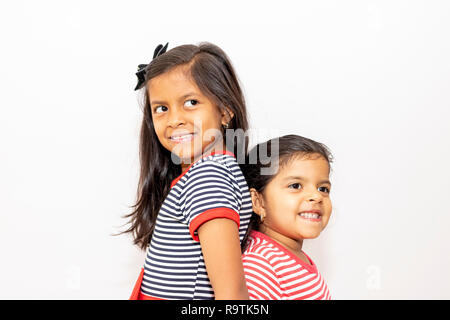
[(181, 138), (309, 215)]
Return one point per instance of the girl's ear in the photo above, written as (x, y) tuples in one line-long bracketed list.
[(227, 115), (257, 202)]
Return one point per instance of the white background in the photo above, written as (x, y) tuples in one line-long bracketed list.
[(370, 79)]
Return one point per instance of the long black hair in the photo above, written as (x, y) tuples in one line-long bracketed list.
[(214, 74), (278, 151)]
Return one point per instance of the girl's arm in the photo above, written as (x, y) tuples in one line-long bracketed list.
[(219, 239)]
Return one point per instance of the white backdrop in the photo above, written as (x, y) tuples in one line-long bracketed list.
[(370, 79)]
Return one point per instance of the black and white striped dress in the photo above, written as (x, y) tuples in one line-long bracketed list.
[(212, 187)]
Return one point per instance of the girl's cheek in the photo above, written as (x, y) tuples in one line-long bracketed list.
[(329, 206), (159, 130)]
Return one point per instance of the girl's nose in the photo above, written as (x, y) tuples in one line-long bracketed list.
[(314, 196), (175, 119)]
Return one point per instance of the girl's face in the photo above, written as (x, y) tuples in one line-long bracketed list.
[(186, 122), (296, 203)]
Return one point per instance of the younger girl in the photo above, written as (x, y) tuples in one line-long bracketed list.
[(290, 204), (193, 204)]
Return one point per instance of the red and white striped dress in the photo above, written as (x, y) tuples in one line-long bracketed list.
[(273, 273)]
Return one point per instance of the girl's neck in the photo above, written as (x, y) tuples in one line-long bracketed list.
[(213, 147), (294, 246)]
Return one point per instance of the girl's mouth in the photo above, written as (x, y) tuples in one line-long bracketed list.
[(311, 216), (182, 138)]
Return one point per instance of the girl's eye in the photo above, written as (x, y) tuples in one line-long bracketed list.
[(160, 109), (295, 186), (190, 103), (324, 189)]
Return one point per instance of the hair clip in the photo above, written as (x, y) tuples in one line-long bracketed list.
[(142, 68)]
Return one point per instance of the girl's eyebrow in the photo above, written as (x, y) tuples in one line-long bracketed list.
[(303, 179), (157, 102), (181, 98), (187, 95)]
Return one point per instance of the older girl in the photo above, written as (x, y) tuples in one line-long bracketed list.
[(193, 204)]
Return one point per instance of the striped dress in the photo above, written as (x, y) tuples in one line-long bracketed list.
[(274, 273), (212, 187)]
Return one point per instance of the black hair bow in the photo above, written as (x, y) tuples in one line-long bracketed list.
[(142, 68)]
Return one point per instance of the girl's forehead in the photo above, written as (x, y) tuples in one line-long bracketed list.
[(309, 166), (176, 77)]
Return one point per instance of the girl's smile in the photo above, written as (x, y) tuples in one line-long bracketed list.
[(182, 136), (186, 122), (311, 215)]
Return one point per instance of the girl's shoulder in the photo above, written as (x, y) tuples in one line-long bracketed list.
[(260, 244), (224, 163), (274, 253), (213, 167), (225, 159), (260, 253)]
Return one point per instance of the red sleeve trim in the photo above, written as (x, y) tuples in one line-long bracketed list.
[(209, 215)]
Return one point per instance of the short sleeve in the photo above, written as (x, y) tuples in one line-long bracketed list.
[(210, 192)]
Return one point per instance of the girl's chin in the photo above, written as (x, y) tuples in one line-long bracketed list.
[(187, 152), (185, 157), (309, 234)]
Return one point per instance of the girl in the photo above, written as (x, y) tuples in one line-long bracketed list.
[(290, 204), (193, 205)]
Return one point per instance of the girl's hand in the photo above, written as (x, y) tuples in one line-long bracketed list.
[(219, 239)]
